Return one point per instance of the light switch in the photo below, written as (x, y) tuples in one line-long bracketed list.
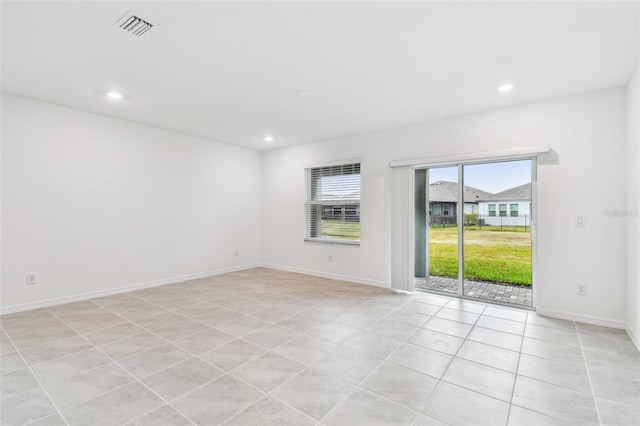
[(580, 221)]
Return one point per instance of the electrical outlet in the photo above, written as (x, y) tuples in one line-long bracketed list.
[(236, 252), (32, 279), (581, 290), (330, 258)]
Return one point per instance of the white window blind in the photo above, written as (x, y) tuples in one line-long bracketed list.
[(332, 207)]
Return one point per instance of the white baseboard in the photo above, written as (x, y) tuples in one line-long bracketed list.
[(635, 338), (339, 277), (117, 290), (587, 319)]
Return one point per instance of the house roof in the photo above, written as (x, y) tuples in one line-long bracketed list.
[(522, 192), (444, 191), (447, 192)]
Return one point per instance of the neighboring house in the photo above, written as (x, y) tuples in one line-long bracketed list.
[(443, 201), (342, 210), (341, 213), (510, 207), (443, 198)]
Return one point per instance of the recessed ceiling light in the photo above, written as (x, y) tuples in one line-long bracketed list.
[(268, 139), (116, 96), (506, 87), (303, 92)]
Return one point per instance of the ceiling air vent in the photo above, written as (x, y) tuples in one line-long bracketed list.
[(134, 24)]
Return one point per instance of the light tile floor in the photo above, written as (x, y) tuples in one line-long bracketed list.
[(263, 347)]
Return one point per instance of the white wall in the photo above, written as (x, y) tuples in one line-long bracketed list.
[(91, 203), (633, 207), (588, 134)]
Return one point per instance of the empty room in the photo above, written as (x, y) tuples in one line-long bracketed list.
[(320, 213)]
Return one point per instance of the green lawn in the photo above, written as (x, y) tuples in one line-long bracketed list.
[(490, 254), (340, 230)]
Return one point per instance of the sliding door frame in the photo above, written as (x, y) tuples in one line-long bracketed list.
[(533, 222)]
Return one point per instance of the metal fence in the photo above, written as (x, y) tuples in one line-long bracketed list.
[(519, 222)]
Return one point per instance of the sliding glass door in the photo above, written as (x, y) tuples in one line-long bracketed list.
[(477, 239), (441, 242)]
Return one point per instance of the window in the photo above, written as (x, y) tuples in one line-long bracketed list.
[(492, 209), (514, 210), (333, 204), (503, 210), (445, 210)]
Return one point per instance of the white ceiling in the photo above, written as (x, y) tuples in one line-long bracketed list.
[(229, 71)]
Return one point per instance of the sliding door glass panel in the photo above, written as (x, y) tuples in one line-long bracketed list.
[(497, 233), (442, 231)]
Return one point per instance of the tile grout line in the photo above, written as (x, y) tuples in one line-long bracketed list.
[(406, 341), (355, 385), (584, 358), (552, 360), (453, 356), (236, 338), (515, 376), (265, 395), (95, 346), (39, 384), (137, 353), (438, 380), (517, 366), (372, 372), (34, 332), (255, 296), (519, 356), (230, 372), (225, 372), (135, 378)]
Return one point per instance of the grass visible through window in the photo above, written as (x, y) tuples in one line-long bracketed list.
[(490, 254), (338, 230)]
